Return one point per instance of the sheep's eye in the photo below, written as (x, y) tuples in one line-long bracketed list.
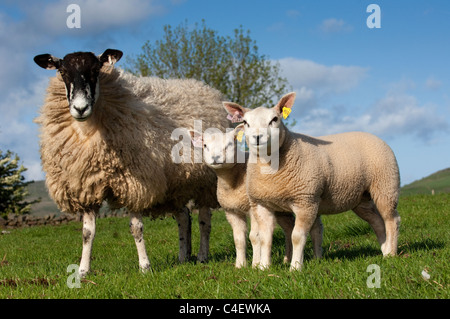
[(274, 120), (62, 72), (204, 146)]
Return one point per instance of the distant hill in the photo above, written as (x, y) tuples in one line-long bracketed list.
[(439, 182), (46, 205)]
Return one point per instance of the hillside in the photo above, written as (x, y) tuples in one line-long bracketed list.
[(46, 205), (439, 182)]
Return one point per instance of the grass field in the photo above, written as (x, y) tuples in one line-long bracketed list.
[(34, 261)]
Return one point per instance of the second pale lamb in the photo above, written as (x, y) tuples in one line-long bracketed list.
[(313, 176)]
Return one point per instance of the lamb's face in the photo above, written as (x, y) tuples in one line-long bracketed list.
[(219, 149), (263, 126), (80, 72)]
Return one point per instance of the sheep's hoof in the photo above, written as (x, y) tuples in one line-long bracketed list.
[(83, 272), (144, 268)]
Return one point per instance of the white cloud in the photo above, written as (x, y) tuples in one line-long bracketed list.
[(329, 79), (334, 25), (319, 86), (96, 16), (392, 116), (433, 84)]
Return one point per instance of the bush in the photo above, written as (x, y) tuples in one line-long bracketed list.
[(13, 189)]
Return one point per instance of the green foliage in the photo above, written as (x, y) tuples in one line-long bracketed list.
[(233, 65), (13, 189)]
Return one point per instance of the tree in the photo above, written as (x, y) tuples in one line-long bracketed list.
[(13, 189), (232, 65)]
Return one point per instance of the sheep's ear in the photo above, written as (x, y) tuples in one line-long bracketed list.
[(234, 109), (111, 56), (196, 138), (47, 61), (285, 104)]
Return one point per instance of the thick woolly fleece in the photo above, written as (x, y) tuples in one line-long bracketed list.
[(122, 153)]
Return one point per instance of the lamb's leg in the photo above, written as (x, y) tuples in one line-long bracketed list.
[(88, 240), (254, 239), (239, 225), (391, 223), (286, 221), (317, 237), (183, 219), (367, 211), (204, 222), (137, 230), (305, 216), (266, 224)]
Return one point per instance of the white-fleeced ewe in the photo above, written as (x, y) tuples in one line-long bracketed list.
[(313, 176), (221, 152), (106, 136)]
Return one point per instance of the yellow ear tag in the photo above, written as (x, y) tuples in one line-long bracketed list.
[(286, 112), (239, 136)]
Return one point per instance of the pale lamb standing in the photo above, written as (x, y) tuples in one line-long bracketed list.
[(313, 176), (221, 153), (105, 135)]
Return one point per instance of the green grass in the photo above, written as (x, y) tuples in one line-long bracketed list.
[(34, 261)]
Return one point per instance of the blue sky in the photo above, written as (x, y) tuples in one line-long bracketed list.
[(392, 81)]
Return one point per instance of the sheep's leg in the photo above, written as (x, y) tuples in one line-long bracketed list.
[(239, 225), (183, 219), (287, 222), (137, 230), (317, 237), (386, 206), (88, 240), (367, 211), (266, 224), (305, 217), (204, 222), (254, 239)]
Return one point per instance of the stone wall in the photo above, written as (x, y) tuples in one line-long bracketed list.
[(17, 221)]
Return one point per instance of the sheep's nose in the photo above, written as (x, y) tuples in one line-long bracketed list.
[(258, 137), (81, 109)]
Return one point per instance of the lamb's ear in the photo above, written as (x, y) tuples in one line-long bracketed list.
[(235, 111), (111, 56), (287, 101), (196, 138), (47, 61)]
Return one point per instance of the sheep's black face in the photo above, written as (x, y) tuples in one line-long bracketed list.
[(80, 71)]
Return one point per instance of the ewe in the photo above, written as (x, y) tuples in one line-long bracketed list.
[(313, 176), (105, 135)]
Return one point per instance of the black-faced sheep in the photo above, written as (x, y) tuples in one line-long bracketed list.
[(313, 176), (106, 136)]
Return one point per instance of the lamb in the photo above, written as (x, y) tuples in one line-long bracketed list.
[(105, 136), (221, 153), (314, 176)]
